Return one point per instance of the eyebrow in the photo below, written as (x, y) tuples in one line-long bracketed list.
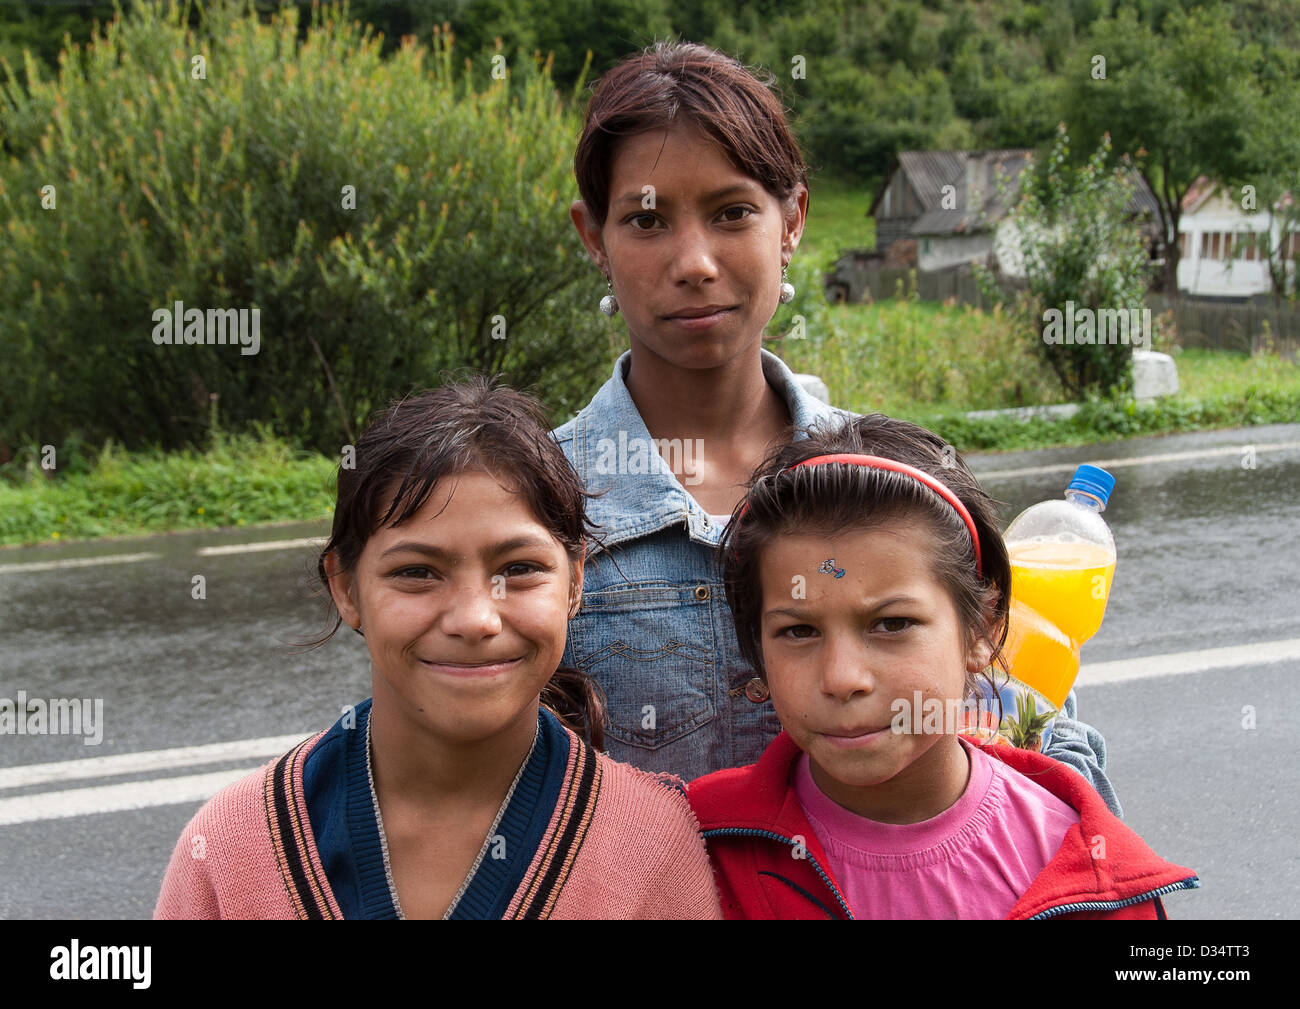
[(437, 553), (717, 194), (797, 614)]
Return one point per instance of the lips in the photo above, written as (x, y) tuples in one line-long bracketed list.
[(855, 733), (854, 738), (473, 669), (699, 312)]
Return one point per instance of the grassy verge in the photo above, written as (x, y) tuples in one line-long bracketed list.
[(249, 479), (1105, 421), (240, 480), (1217, 389)]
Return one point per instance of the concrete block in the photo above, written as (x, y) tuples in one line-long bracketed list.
[(1154, 375)]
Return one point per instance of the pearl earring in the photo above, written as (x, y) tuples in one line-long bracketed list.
[(787, 289), (609, 303)]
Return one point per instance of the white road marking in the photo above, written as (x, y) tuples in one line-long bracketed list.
[(249, 548), (1200, 661), (1142, 460), (200, 787), (115, 798), (75, 562), (147, 760)]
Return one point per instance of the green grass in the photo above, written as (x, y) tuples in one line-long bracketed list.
[(893, 355), (837, 221), (1102, 422), (1207, 374), (916, 358), (240, 480), (1217, 389)]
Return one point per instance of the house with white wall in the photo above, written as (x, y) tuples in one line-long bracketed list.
[(948, 203), (1221, 245)]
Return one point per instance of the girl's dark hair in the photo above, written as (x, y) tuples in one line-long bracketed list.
[(675, 82), (832, 497), (476, 424)]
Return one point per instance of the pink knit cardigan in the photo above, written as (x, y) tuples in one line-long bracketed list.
[(641, 855)]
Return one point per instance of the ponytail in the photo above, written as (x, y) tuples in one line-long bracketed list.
[(577, 701)]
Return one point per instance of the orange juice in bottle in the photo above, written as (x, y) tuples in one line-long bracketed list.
[(1062, 562)]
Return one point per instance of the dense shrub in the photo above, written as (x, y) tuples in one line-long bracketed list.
[(1081, 247), (227, 191)]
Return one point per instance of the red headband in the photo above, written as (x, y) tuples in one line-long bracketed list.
[(876, 462)]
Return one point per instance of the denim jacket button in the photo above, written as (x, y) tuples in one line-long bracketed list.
[(701, 592), (756, 690)]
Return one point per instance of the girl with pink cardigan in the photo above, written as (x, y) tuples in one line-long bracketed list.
[(467, 786)]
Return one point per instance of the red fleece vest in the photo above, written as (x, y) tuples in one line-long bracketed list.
[(752, 822)]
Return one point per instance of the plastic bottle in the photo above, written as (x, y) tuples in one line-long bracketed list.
[(1062, 563)]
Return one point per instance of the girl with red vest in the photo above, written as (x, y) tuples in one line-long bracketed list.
[(868, 583)]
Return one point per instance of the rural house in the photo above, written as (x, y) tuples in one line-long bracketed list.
[(941, 209), (1221, 250)]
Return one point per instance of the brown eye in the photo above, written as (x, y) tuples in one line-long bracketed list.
[(894, 625), (805, 631)]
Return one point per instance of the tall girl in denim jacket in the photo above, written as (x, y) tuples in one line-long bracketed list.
[(694, 195)]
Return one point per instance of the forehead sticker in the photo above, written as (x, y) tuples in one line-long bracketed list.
[(828, 568)]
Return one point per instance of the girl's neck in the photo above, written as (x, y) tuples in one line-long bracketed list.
[(412, 764), (725, 405), (925, 788)]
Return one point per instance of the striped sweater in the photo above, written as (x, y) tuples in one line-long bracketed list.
[(580, 836)]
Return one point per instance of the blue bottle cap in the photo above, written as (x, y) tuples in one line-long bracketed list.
[(1093, 480)]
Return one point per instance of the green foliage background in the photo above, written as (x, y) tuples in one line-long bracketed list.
[(1078, 245), (228, 192)]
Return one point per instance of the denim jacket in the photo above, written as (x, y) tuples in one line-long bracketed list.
[(654, 629)]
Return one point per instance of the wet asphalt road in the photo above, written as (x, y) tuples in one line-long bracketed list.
[(1208, 555)]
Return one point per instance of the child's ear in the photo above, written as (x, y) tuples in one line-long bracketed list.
[(981, 651), (576, 569), (342, 586), (980, 656)]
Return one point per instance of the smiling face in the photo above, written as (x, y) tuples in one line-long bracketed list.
[(465, 619), (837, 660), (713, 237)]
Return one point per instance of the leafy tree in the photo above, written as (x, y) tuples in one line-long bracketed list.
[(1189, 99), (1273, 190), (1078, 244)]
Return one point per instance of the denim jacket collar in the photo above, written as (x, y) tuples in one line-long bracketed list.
[(611, 444)]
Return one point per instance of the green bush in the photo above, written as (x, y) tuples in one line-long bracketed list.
[(1081, 249), (227, 192)]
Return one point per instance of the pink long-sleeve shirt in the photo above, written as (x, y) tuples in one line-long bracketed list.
[(973, 860)]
